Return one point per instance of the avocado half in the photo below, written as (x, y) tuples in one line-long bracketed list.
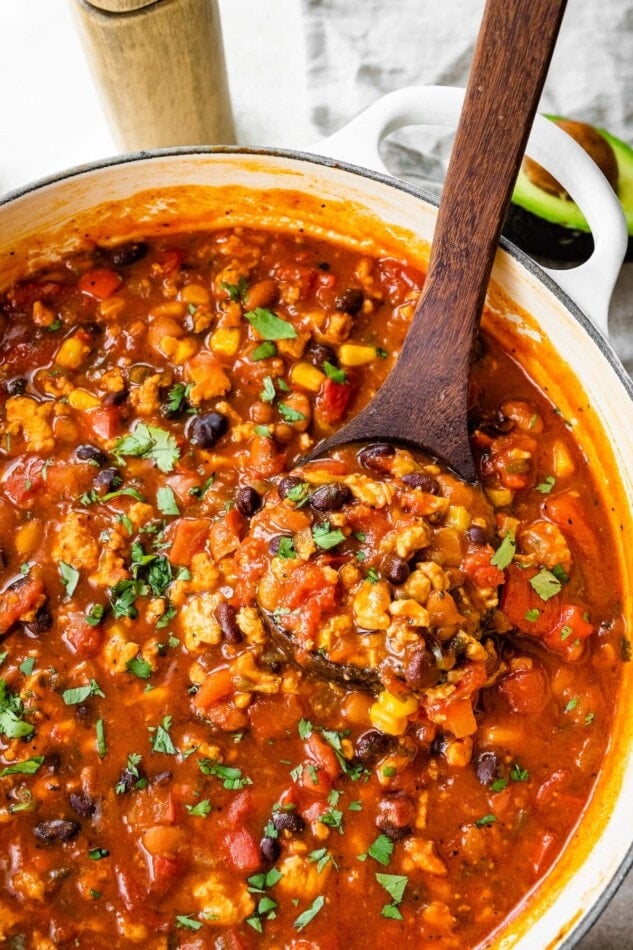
[(553, 229)]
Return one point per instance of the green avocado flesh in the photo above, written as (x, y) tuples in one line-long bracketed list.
[(551, 227)]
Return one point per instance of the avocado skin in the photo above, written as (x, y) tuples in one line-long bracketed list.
[(548, 243)]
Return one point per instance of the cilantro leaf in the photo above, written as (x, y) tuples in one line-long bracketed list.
[(187, 921), (149, 442), (394, 884), (95, 615), (334, 373), (161, 740), (201, 809), (505, 552), (69, 577), (310, 913), (546, 584), (264, 351), (286, 549), (236, 291), (381, 850), (532, 614), (177, 397), (139, 667), (268, 393), (232, 778), (290, 414), (546, 485), (326, 538), (486, 820), (72, 697), (26, 767), (166, 501), (269, 325)]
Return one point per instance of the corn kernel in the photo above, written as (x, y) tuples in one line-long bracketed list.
[(172, 308), (226, 341), (403, 705), (307, 376), (71, 353), (82, 399), (562, 462), (356, 354), (195, 294), (499, 497), (390, 725), (458, 517)]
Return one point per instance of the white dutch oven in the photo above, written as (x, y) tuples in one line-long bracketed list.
[(557, 324)]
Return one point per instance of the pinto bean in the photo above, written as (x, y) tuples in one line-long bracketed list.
[(262, 294), (226, 614)]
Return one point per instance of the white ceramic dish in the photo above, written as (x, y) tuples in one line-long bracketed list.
[(561, 348)]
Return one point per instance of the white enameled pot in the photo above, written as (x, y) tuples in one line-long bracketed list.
[(556, 323)]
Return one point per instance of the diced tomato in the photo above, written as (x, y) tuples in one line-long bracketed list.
[(526, 691), (299, 275), (226, 533), (250, 561), (311, 595), (456, 709), (398, 279), (162, 839), (264, 459), (332, 401), (19, 601), (459, 718), (242, 851), (83, 639), (217, 685), (188, 537), (164, 869), (168, 260), (569, 633), (24, 481), (478, 567), (544, 846), (272, 716), (566, 510), (100, 283), (104, 422), (68, 481), (241, 807)]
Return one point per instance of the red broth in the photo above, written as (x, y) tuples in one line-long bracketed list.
[(169, 778)]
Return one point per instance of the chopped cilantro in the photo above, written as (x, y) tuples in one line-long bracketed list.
[(517, 774), (95, 615), (166, 501), (486, 820), (498, 785), (26, 767), (310, 913), (505, 552), (326, 538), (589, 718), (381, 353), (546, 485), (232, 778), (101, 740), (566, 632), (289, 414), (197, 492), (268, 393), (69, 577), (139, 667), (27, 665), (546, 584), (165, 620), (264, 432), (381, 850), (269, 325), (123, 596), (72, 697), (187, 921), (321, 857), (394, 884), (305, 728), (201, 809), (299, 494), (333, 818), (532, 614), (236, 291), (560, 573), (334, 373), (573, 702), (372, 575), (160, 740), (149, 442), (177, 397), (264, 351), (97, 854), (392, 911), (286, 549)]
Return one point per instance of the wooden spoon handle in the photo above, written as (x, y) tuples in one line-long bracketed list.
[(424, 399), (160, 69)]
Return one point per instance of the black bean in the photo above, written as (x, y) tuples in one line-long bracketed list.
[(91, 453), (42, 621), (439, 744), (116, 399), (420, 670), (57, 829), (127, 781), (91, 329), (376, 456), (350, 301), (107, 480), (288, 821), (486, 767), (371, 746), (330, 497), (286, 485), (163, 778), (495, 423), (205, 430), (82, 803), (422, 480), (319, 353), (226, 614), (129, 253), (478, 535), (270, 849), (394, 569), (15, 387), (248, 501)]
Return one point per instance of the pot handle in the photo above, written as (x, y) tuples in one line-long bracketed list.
[(590, 284)]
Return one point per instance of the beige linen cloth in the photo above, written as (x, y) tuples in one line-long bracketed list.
[(357, 50)]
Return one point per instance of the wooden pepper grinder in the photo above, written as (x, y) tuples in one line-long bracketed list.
[(160, 67)]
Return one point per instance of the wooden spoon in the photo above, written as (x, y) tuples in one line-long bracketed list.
[(424, 400)]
